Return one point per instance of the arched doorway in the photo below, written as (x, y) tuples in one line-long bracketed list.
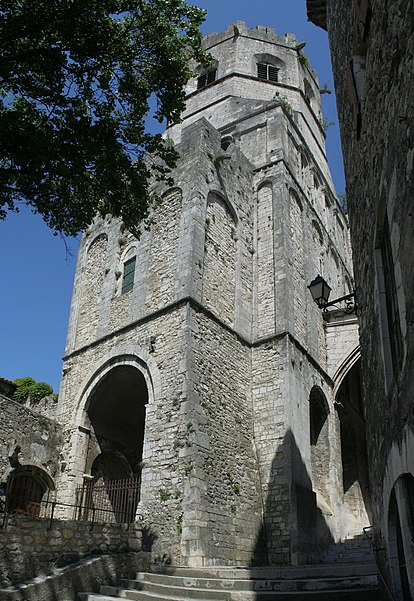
[(27, 488), (319, 442), (116, 410), (349, 406), (401, 537)]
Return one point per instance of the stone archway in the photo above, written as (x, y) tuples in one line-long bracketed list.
[(348, 403), (116, 410), (27, 488)]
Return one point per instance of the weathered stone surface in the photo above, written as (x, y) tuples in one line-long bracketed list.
[(53, 544), (221, 327), (35, 436), (380, 188), (219, 321)]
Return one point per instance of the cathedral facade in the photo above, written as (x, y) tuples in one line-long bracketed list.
[(196, 362)]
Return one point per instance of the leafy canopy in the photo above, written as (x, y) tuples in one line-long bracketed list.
[(27, 387), (76, 79)]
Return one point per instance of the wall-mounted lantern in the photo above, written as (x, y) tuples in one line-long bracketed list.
[(321, 290)]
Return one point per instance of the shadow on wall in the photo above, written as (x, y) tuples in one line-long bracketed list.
[(294, 531)]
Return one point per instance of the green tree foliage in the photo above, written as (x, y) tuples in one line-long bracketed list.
[(39, 391), (29, 388), (23, 388), (76, 80)]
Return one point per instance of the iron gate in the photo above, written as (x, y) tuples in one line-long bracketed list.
[(114, 501)]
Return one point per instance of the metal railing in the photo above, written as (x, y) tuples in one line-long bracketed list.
[(375, 552), (114, 502)]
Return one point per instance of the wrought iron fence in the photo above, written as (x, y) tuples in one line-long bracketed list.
[(113, 502)]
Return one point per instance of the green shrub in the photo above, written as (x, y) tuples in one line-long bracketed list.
[(29, 388), (23, 389), (39, 390)]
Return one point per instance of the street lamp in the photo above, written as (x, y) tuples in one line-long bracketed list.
[(321, 290)]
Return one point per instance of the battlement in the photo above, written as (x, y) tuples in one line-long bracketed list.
[(260, 32)]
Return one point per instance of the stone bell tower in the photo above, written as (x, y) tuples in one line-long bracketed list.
[(195, 357)]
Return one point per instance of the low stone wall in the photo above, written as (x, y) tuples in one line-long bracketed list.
[(84, 576), (32, 547)]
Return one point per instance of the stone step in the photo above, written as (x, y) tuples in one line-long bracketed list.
[(348, 556), (147, 581), (270, 573), (367, 594)]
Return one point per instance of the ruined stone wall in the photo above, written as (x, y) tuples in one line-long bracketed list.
[(38, 437)]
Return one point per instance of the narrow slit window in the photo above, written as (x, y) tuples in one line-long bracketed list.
[(268, 72), (206, 78), (390, 290), (129, 273)]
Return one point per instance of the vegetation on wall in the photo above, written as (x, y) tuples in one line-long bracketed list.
[(77, 81), (29, 388)]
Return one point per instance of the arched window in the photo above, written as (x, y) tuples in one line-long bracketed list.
[(401, 534), (220, 251), (93, 276), (309, 93)]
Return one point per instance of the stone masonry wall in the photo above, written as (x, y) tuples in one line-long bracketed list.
[(37, 436), (379, 172), (31, 547), (219, 278), (265, 282), (226, 514), (92, 282)]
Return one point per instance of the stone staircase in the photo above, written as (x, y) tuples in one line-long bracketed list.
[(354, 549), (347, 573)]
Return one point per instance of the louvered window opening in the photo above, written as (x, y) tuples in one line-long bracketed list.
[(129, 273), (268, 72), (206, 78)]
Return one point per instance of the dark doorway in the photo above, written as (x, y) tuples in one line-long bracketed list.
[(27, 488), (353, 444), (116, 410)]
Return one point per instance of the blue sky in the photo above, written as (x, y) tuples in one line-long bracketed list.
[(37, 275)]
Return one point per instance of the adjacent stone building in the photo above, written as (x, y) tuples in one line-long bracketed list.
[(196, 361), (372, 47)]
